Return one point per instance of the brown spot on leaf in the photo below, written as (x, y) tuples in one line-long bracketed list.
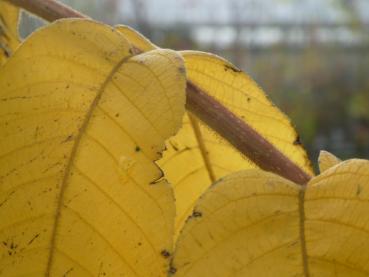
[(165, 253), (197, 214), (69, 138), (172, 270), (134, 50), (229, 67), (6, 53), (13, 245), (297, 141), (33, 239)]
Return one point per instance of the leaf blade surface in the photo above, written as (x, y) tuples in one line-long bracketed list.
[(80, 138), (258, 224)]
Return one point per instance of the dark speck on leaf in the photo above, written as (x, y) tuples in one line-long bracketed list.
[(137, 149), (234, 69), (172, 270), (297, 141), (117, 115), (165, 253), (32, 240), (196, 214), (69, 138), (358, 190)]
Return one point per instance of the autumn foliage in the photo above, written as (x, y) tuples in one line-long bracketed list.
[(103, 172)]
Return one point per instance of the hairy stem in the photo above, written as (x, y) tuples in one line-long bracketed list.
[(207, 109)]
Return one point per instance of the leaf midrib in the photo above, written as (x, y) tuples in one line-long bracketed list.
[(204, 153), (71, 160), (304, 256)]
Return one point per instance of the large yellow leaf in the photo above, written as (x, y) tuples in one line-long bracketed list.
[(9, 39), (82, 122), (196, 157), (255, 223)]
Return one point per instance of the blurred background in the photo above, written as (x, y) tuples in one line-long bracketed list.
[(310, 56)]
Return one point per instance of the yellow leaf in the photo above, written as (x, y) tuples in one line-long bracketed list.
[(239, 219), (194, 159), (239, 93), (337, 220), (9, 39), (327, 160), (136, 39), (196, 156), (254, 223), (82, 122)]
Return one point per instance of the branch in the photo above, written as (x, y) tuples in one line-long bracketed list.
[(242, 136), (210, 111), (49, 10)]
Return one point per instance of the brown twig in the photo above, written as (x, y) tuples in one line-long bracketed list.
[(242, 136), (210, 111), (47, 9)]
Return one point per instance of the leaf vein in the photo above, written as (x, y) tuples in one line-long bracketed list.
[(102, 238)]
